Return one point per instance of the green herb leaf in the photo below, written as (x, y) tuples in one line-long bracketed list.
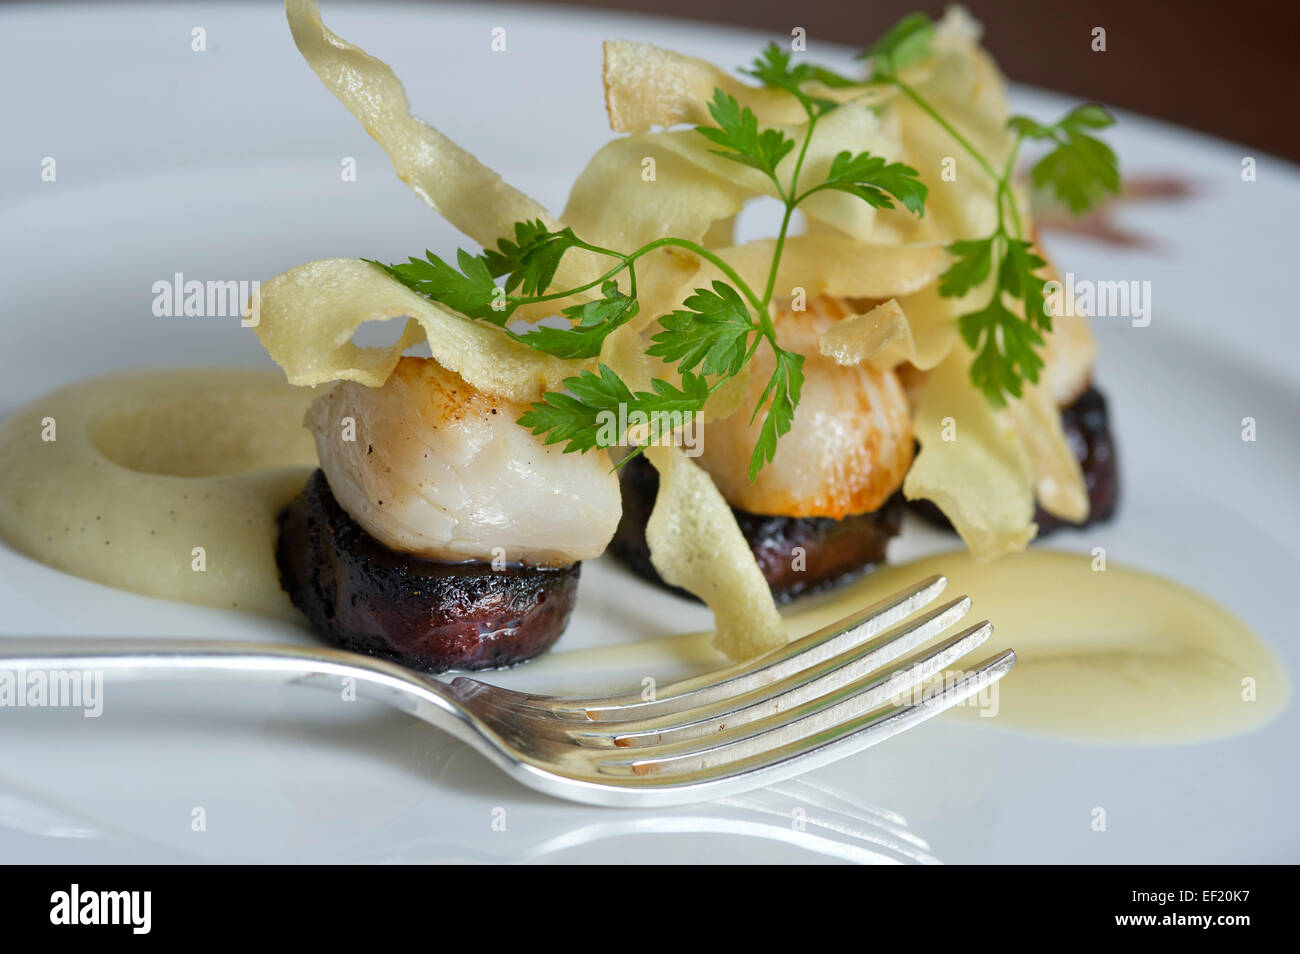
[(906, 42), (595, 320), (783, 388), (1004, 344), (873, 180), (531, 260), (585, 415), (711, 332), (1004, 341), (739, 138), (775, 70), (1081, 170), (574, 415), (1090, 116), (974, 261), (1028, 127), (1019, 278), (470, 290), (772, 68)]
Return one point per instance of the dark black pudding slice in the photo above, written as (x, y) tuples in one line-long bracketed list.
[(832, 550), (432, 616), (1087, 428)]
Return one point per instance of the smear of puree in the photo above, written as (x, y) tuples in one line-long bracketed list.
[(137, 479), (1114, 655), (1117, 656)]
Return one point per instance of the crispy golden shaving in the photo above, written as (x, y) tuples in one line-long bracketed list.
[(971, 464), (1058, 478), (465, 192), (861, 337), (644, 187), (310, 313), (647, 86), (696, 544), (834, 265)]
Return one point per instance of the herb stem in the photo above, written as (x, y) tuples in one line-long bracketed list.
[(517, 302), (1004, 189), (626, 262), (948, 127), (704, 253), (791, 199), (1002, 180)]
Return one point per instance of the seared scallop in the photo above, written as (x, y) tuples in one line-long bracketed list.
[(430, 466), (850, 444), (825, 508)]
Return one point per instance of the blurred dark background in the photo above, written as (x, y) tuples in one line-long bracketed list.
[(1229, 69)]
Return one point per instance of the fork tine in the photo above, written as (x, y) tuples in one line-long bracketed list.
[(813, 751), (858, 706), (809, 752), (780, 663), (803, 687)]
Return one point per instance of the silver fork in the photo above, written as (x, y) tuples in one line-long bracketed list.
[(817, 699)]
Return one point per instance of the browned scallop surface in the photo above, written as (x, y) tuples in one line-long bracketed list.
[(849, 447), (430, 466)]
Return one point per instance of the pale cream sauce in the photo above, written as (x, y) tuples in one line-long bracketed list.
[(1115, 655), (165, 483)]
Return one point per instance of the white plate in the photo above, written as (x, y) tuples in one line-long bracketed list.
[(225, 164)]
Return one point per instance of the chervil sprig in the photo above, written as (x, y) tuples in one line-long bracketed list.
[(581, 415), (874, 181), (590, 324), (775, 69), (783, 388), (529, 262), (1080, 169), (905, 43), (1004, 343), (717, 330), (738, 137), (712, 332), (469, 289), (868, 177)]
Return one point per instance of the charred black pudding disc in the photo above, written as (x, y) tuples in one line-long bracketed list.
[(432, 616), (832, 550)]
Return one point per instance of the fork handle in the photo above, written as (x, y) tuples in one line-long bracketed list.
[(375, 679)]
